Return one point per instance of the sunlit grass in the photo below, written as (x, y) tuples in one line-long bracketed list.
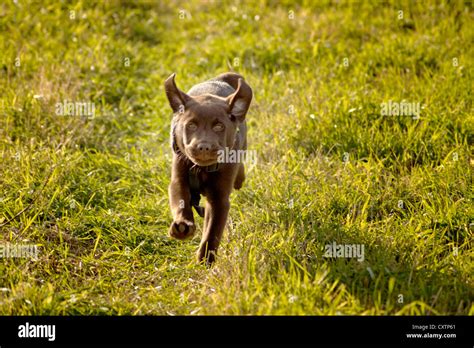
[(92, 191)]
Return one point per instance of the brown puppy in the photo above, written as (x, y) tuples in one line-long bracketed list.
[(207, 121)]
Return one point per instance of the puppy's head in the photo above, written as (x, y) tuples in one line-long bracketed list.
[(207, 123)]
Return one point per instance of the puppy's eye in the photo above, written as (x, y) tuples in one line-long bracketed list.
[(191, 126), (218, 127)]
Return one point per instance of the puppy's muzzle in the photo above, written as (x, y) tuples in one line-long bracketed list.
[(203, 153)]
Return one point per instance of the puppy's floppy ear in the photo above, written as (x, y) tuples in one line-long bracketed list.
[(239, 101), (176, 97)]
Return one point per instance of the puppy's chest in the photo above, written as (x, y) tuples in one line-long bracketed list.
[(199, 181)]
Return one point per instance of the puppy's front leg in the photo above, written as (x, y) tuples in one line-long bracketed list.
[(180, 202), (217, 209)]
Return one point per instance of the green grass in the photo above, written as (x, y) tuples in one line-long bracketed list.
[(92, 192)]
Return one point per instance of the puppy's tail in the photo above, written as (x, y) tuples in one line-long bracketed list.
[(230, 78)]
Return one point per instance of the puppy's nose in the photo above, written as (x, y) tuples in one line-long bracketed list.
[(204, 147)]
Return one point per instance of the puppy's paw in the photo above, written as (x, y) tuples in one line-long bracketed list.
[(207, 257), (182, 229)]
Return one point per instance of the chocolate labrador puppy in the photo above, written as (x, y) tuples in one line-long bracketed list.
[(208, 121)]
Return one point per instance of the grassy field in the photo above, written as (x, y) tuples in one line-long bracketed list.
[(91, 191)]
